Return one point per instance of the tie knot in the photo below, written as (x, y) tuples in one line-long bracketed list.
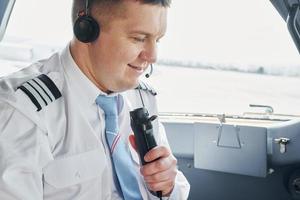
[(108, 104)]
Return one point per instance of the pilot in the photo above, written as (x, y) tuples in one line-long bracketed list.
[(64, 123)]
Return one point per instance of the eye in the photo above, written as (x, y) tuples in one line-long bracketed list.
[(139, 39)]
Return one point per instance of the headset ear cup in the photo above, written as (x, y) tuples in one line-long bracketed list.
[(86, 29)]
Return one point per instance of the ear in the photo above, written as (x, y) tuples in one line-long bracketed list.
[(132, 141)]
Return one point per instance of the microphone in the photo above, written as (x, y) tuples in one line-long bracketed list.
[(141, 124), (151, 70)]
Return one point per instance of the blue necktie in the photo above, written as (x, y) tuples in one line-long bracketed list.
[(120, 154)]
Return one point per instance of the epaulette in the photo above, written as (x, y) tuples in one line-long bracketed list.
[(144, 86), (41, 91)]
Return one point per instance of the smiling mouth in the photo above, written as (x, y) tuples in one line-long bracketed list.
[(136, 68)]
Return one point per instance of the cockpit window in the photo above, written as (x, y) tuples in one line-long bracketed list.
[(234, 57)]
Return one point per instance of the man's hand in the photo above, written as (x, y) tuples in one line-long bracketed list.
[(160, 173)]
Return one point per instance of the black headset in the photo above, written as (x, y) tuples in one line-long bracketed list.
[(86, 29)]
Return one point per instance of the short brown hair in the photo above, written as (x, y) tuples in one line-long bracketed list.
[(107, 5)]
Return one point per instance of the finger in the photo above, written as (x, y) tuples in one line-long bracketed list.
[(157, 152), (132, 142), (159, 165), (161, 176)]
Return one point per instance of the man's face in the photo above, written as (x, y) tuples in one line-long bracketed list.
[(127, 46)]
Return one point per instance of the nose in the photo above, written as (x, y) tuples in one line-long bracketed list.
[(149, 54)]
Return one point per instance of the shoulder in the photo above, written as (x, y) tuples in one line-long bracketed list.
[(32, 89), (143, 95), (38, 82), (11, 82), (41, 90), (143, 90), (146, 88)]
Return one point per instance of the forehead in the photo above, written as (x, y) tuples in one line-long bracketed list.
[(141, 17)]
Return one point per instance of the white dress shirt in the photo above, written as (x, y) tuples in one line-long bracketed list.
[(60, 152)]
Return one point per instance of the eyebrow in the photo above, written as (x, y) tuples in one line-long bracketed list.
[(140, 32), (145, 33)]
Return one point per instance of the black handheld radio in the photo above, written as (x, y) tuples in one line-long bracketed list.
[(143, 132)]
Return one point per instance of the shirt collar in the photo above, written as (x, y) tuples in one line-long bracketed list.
[(83, 88)]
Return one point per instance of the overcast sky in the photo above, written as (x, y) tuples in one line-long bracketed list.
[(240, 31), (230, 31)]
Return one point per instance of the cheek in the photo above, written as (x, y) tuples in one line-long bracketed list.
[(117, 54), (128, 52), (128, 56), (133, 55)]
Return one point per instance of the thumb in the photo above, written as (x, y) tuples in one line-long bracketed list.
[(132, 142)]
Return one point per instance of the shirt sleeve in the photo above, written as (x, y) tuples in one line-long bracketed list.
[(182, 187), (21, 149)]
